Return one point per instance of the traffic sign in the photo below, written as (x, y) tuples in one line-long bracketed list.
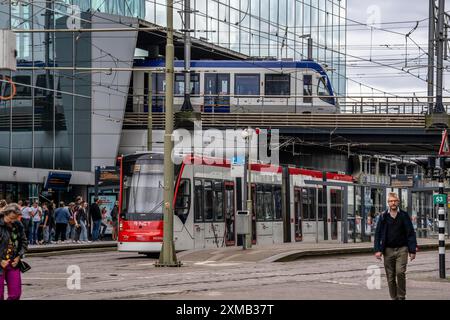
[(444, 149), (440, 199)]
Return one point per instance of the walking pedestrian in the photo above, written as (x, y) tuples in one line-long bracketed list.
[(80, 226), (115, 220), (45, 223), (36, 221), (395, 239), (51, 222), (96, 219), (62, 217), (70, 233), (13, 244), (103, 224), (26, 218)]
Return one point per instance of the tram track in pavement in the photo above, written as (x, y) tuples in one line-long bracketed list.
[(130, 285)]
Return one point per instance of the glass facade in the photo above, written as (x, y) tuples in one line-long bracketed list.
[(269, 28), (48, 123)]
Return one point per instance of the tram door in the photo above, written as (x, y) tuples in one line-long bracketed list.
[(336, 203), (217, 92), (229, 214), (199, 225), (298, 214)]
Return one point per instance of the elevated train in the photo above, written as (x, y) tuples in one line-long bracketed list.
[(207, 196), (241, 86)]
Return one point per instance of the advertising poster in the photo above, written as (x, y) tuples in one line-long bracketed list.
[(107, 202)]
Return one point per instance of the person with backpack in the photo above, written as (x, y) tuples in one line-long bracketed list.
[(395, 239)]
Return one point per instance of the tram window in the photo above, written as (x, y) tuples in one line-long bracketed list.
[(309, 204), (183, 201), (259, 202), (322, 89), (246, 84), (179, 84), (268, 203), (277, 85), (198, 200), (307, 88), (218, 200), (209, 200), (336, 203), (229, 201), (322, 204), (277, 203)]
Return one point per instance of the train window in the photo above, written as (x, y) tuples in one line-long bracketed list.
[(159, 82), (198, 200), (277, 203), (218, 200), (277, 85), (183, 201), (217, 83), (322, 89), (208, 203), (323, 92), (307, 88), (179, 84), (246, 84), (22, 91)]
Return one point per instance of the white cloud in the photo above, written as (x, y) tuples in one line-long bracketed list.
[(388, 46)]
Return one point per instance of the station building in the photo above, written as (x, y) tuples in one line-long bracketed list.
[(68, 118)]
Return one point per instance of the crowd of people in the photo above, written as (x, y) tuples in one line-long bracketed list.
[(76, 222)]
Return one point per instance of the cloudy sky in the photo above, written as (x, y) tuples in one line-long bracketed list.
[(398, 18)]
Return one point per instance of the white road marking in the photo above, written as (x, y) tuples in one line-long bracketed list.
[(343, 283), (211, 263)]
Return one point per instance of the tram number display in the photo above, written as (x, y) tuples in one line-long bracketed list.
[(440, 199)]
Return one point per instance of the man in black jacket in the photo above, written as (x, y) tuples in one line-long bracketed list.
[(395, 238), (96, 216)]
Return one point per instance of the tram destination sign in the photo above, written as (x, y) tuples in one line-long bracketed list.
[(440, 199)]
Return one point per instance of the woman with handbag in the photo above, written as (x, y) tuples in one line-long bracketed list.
[(13, 244)]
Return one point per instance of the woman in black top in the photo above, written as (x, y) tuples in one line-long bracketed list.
[(13, 244)]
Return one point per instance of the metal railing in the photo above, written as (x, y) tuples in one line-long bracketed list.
[(139, 120), (298, 103)]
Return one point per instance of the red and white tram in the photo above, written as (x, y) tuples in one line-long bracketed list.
[(207, 197)]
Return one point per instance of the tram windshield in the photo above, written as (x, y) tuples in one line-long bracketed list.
[(144, 192)]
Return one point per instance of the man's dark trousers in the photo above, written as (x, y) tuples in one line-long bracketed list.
[(395, 261)]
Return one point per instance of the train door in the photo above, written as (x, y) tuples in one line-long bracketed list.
[(298, 214), (199, 225), (229, 214), (217, 92)]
